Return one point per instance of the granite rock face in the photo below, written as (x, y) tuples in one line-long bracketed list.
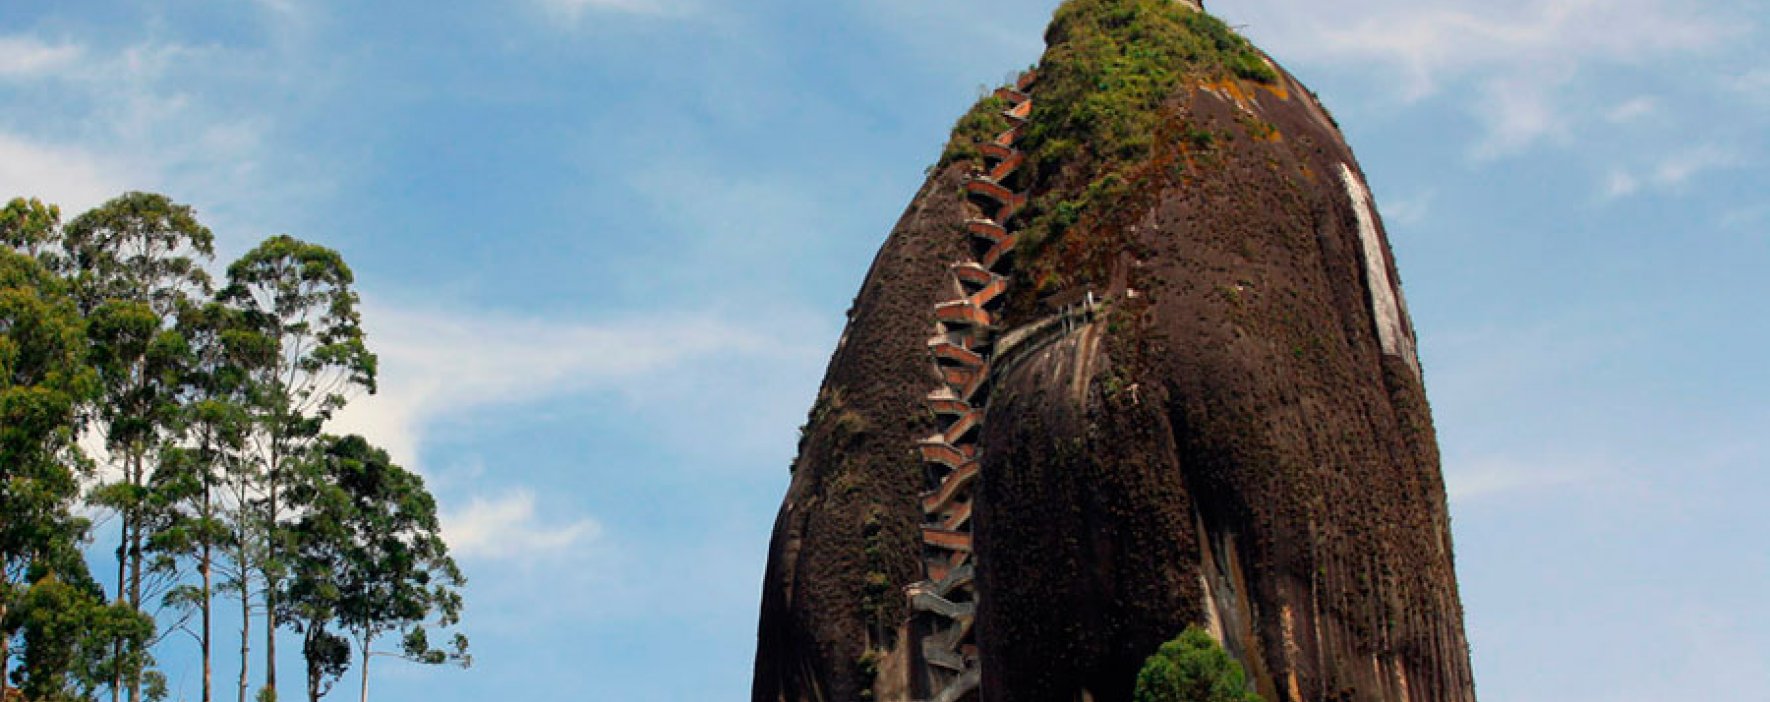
[(1235, 435)]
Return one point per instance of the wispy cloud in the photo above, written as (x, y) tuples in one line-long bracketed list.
[(1514, 59), (29, 57), (575, 10), (72, 177), (1632, 110), (1754, 85), (507, 528), (147, 113), (1671, 174), (1493, 476), (437, 364)]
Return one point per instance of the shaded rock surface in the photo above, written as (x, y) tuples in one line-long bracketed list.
[(1239, 439)]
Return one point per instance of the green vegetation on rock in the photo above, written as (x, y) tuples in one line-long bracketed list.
[(1112, 65), (1192, 668), (1103, 94), (1102, 105), (979, 125)]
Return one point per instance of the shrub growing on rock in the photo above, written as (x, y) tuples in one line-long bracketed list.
[(1192, 668)]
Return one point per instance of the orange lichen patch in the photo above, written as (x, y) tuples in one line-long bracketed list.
[(1277, 88), (1244, 92)]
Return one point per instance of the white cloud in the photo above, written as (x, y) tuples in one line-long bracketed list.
[(435, 364), (507, 528), (1490, 476), (1435, 41), (1679, 168), (74, 178), (1745, 217), (1409, 210), (1673, 173), (1510, 62), (1632, 110), (28, 57), (1755, 86), (192, 121), (1519, 111), (1620, 183), (574, 10)]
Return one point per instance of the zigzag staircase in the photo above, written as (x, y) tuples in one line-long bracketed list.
[(944, 605)]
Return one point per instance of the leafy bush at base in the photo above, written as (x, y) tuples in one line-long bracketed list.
[(1192, 668)]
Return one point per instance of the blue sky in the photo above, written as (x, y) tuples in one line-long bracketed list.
[(605, 247)]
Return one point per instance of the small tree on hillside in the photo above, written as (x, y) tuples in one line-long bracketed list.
[(1192, 668)]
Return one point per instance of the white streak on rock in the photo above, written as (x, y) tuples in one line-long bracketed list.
[(1385, 300)]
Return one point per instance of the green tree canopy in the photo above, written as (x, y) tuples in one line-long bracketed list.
[(369, 555), (1192, 668), (29, 226), (298, 298)]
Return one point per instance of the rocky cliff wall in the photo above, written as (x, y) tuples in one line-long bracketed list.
[(1238, 437)]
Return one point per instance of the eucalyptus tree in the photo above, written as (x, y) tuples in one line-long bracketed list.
[(30, 227), (135, 261), (299, 298), (369, 555), (70, 633), (43, 379), (199, 475)]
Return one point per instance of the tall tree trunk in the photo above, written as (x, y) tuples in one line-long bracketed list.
[(122, 592), (270, 583), (137, 478), (245, 621), (205, 567), (365, 686), (5, 649), (313, 665)]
